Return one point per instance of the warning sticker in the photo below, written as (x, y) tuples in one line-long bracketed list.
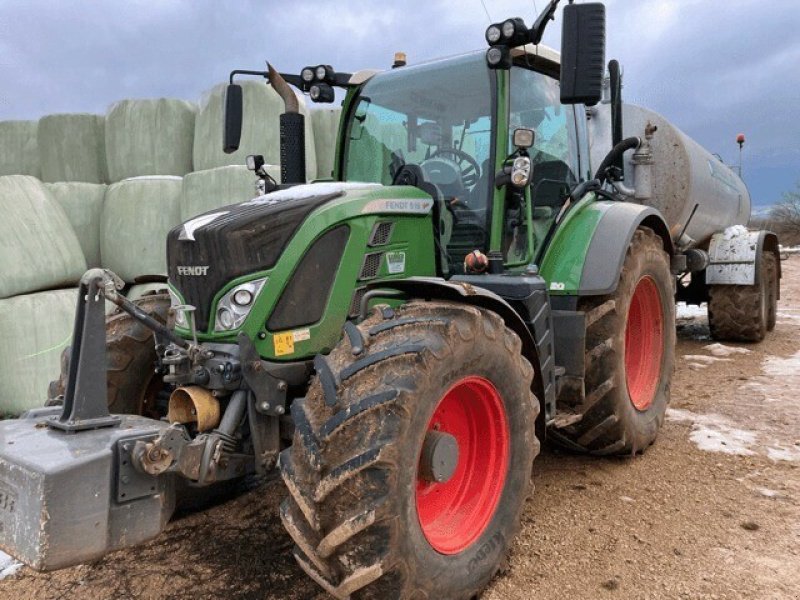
[(283, 343), (395, 262), (301, 335)]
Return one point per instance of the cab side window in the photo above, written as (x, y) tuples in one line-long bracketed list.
[(535, 104)]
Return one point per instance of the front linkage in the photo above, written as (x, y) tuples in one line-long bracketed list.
[(123, 489)]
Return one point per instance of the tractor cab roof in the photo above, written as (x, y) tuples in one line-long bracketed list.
[(537, 55)]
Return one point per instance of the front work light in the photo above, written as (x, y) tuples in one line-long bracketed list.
[(233, 307), (515, 33), (498, 57), (493, 34), (321, 92), (307, 75)]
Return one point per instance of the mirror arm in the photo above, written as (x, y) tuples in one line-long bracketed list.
[(548, 14)]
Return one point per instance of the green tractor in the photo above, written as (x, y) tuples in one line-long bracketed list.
[(397, 340)]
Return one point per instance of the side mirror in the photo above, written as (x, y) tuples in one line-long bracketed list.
[(232, 125), (524, 138), (583, 53)]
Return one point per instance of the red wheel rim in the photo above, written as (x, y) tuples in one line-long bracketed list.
[(455, 513), (644, 343)]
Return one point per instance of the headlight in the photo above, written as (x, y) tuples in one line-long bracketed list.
[(493, 34), (234, 306), (307, 74), (521, 171), (321, 73)]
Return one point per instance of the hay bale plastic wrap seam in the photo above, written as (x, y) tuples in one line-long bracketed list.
[(149, 137), (38, 247), (34, 330), (72, 148), (19, 151), (83, 204), (260, 128), (212, 188), (137, 215), (325, 122)]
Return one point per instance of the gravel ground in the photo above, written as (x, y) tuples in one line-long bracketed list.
[(711, 511)]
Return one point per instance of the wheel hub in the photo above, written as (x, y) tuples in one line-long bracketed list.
[(463, 465), (439, 457)]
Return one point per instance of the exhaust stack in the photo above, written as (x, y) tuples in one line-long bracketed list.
[(293, 137)]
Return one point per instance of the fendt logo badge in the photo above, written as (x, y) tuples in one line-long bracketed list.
[(193, 271)]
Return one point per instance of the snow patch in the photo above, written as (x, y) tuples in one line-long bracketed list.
[(8, 565), (705, 360), (690, 311), (310, 190), (780, 452), (790, 249), (787, 368), (714, 433), (722, 350), (767, 493), (735, 231)]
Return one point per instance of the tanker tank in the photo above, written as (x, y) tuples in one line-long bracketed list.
[(684, 174)]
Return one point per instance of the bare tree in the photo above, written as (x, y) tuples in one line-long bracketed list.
[(785, 216)]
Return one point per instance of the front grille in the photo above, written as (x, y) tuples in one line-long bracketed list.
[(371, 265), (381, 234), (355, 303)]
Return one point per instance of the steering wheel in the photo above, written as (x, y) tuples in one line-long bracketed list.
[(469, 167)]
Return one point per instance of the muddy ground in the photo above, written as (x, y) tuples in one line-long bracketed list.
[(712, 510)]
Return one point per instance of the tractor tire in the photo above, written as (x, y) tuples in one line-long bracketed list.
[(630, 357), (133, 385), (372, 514), (744, 313)]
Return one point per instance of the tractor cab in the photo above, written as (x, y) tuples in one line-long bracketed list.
[(449, 126)]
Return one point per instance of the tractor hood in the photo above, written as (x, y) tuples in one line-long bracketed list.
[(206, 252)]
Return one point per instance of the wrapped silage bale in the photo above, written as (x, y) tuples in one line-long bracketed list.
[(38, 247), (149, 137), (139, 291), (137, 215), (72, 148), (212, 188), (260, 128), (34, 330), (83, 204), (325, 122), (19, 153)]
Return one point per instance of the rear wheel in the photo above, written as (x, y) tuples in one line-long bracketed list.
[(630, 354), (412, 455), (133, 386), (744, 313)]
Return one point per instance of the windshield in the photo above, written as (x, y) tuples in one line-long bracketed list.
[(437, 116)]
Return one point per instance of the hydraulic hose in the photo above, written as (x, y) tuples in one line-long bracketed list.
[(616, 153)]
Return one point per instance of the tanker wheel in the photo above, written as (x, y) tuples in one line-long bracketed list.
[(412, 454), (630, 356), (133, 386), (744, 313)]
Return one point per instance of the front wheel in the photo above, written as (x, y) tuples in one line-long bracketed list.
[(412, 455)]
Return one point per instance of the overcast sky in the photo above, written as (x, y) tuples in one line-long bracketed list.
[(713, 67)]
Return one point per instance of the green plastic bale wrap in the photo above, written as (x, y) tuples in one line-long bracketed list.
[(149, 137), (212, 188), (260, 129), (137, 215), (34, 330), (83, 204), (19, 152), (38, 247), (72, 148), (325, 122)]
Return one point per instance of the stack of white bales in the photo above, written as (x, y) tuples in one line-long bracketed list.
[(325, 122), (39, 251), (149, 150)]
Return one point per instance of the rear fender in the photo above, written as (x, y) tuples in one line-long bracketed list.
[(736, 256), (587, 252)]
